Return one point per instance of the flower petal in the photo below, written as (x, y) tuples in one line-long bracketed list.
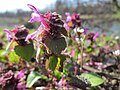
[(66, 26), (68, 17), (62, 82), (97, 34), (9, 34), (21, 74), (21, 86), (32, 8), (37, 16), (31, 36)]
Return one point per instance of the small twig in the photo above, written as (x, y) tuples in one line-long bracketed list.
[(91, 69)]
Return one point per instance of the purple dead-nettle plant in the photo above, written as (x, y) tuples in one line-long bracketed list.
[(51, 23), (21, 74), (21, 77), (62, 82), (73, 20), (76, 31), (18, 34), (93, 36), (51, 28), (15, 80)]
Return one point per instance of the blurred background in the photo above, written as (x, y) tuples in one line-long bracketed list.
[(97, 15)]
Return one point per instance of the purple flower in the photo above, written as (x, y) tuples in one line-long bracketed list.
[(9, 34), (66, 26), (93, 36), (21, 74), (31, 36), (37, 16), (62, 82), (97, 34), (6, 77), (69, 18), (21, 86), (73, 20), (18, 34), (52, 26)]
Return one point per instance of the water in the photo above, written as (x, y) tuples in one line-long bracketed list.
[(110, 28)]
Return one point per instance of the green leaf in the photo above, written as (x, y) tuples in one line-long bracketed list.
[(56, 45), (89, 50), (76, 82), (14, 58), (33, 77), (3, 56), (52, 62), (3, 53), (58, 74), (68, 68), (93, 78), (26, 52)]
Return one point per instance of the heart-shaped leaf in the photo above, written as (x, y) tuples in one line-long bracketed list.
[(56, 45), (26, 52), (93, 78), (33, 77)]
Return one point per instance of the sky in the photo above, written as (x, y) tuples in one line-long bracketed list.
[(12, 5)]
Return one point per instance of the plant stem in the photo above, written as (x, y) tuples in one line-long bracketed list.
[(81, 50), (81, 64)]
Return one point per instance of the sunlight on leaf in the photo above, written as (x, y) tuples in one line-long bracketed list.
[(33, 77), (94, 79), (14, 58), (58, 74)]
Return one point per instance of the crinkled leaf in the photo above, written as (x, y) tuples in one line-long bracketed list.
[(93, 78), (14, 58), (26, 52), (56, 45), (74, 81), (33, 77)]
